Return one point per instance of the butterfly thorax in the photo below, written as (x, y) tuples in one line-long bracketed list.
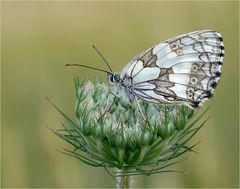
[(122, 85)]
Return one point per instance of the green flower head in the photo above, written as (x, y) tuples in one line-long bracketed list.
[(111, 133)]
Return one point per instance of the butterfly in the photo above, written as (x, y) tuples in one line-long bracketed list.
[(182, 70)]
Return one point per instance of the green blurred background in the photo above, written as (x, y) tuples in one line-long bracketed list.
[(39, 38)]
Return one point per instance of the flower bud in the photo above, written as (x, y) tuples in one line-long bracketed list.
[(120, 141), (119, 134), (145, 138)]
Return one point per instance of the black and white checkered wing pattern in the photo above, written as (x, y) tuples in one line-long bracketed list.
[(185, 69)]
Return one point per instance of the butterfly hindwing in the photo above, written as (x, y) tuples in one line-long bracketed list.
[(185, 69)]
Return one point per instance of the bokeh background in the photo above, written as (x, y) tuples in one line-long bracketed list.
[(39, 37)]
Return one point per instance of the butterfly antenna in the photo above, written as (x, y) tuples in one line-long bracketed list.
[(81, 65), (103, 58)]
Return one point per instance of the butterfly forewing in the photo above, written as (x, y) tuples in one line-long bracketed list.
[(184, 69)]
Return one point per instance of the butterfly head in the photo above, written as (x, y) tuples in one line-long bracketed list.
[(113, 78)]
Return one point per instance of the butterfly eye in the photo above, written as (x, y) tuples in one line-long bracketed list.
[(111, 77)]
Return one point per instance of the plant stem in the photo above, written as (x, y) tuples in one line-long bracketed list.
[(124, 180)]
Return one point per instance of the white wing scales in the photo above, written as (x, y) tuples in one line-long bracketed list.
[(146, 74), (185, 69)]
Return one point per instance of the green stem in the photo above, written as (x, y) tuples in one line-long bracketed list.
[(124, 180)]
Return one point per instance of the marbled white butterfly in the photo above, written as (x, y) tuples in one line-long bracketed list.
[(182, 70)]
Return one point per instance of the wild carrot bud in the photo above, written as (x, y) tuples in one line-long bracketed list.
[(112, 133)]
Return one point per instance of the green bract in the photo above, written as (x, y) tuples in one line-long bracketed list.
[(111, 133)]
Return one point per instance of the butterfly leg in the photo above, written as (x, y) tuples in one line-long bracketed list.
[(108, 104), (114, 94), (138, 105), (108, 99), (140, 110)]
